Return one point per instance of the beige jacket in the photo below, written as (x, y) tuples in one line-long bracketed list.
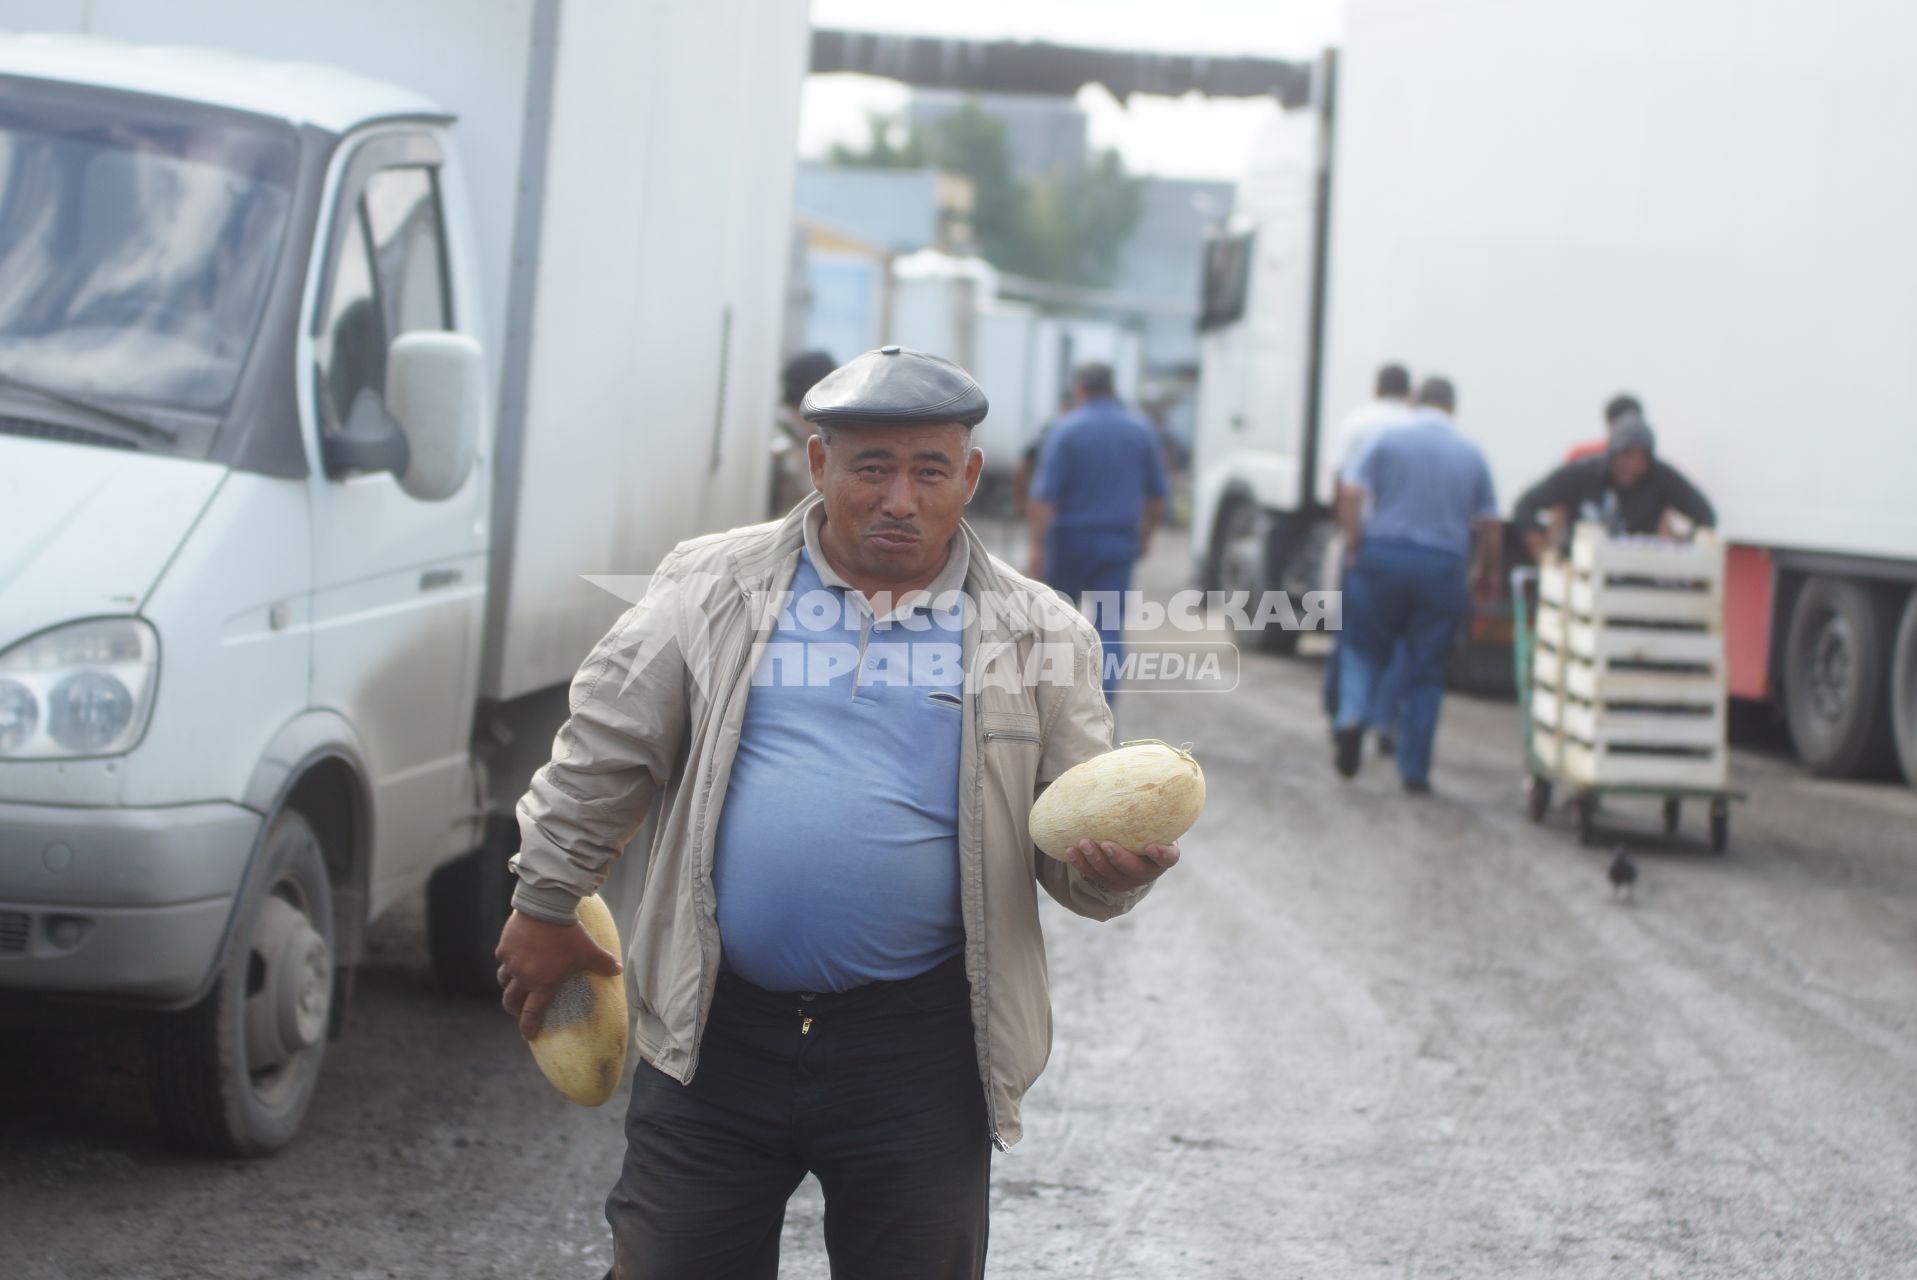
[(656, 712)]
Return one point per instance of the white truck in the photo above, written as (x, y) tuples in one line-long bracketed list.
[(1695, 202), (322, 384)]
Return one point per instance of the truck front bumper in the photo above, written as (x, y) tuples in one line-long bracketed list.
[(119, 904)]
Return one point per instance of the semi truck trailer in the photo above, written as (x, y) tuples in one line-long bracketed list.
[(1694, 202), (339, 346)]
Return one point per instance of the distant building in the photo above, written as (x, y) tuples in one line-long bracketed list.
[(1047, 136), (840, 293), (893, 210)]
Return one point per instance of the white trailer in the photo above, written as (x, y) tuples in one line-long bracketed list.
[(1697, 202), (334, 352)]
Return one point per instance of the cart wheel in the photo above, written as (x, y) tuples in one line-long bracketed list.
[(1720, 824), (1587, 814), (1537, 797), (1673, 810)]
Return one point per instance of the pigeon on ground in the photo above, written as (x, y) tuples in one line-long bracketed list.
[(1623, 874)]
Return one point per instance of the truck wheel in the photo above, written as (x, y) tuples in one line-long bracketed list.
[(1837, 677), (1903, 691), (1238, 564), (233, 1074), (467, 903)]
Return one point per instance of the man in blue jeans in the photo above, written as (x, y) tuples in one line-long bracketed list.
[(1390, 407), (1099, 493), (1430, 499)]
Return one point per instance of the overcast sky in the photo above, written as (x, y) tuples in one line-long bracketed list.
[(1185, 137)]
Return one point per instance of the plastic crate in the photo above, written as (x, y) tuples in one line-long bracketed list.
[(1628, 668)]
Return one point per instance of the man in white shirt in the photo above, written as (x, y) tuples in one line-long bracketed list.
[(1390, 407)]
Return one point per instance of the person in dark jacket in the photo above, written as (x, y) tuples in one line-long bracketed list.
[(1627, 488)]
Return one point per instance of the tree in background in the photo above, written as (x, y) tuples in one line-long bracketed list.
[(1067, 231)]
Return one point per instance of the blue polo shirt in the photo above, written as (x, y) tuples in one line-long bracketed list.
[(1098, 467), (1428, 484), (837, 853)]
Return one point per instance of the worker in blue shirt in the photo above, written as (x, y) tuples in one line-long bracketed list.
[(1417, 508), (1098, 495)]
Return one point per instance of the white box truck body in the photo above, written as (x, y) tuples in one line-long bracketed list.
[(1697, 202), (341, 342)]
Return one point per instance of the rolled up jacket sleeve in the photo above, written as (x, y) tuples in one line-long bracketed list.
[(1079, 729), (615, 751)]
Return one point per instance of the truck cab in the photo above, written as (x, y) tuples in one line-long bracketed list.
[(1263, 493), (243, 547)]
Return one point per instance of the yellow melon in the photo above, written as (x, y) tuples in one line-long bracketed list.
[(1142, 793), (581, 1045)]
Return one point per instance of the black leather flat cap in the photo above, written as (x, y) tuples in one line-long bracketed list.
[(895, 386)]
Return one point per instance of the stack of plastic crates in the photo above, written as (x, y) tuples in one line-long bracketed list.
[(1628, 664)]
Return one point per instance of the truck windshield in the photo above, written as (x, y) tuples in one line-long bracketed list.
[(137, 240)]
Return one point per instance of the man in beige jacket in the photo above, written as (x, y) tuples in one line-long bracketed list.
[(845, 717)]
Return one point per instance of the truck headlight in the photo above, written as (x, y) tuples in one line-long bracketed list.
[(19, 715), (84, 689)]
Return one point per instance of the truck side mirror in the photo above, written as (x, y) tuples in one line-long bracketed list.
[(436, 392)]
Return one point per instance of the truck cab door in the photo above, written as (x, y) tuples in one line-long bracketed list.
[(398, 582)]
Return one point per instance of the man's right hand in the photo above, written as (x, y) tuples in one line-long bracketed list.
[(535, 959)]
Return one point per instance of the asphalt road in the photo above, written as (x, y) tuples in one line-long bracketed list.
[(1355, 1034)]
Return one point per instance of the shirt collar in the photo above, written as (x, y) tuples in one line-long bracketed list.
[(950, 580)]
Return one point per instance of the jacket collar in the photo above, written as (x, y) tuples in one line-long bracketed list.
[(983, 579), (756, 560)]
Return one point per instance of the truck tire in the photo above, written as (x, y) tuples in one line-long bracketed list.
[(467, 903), (1903, 691), (1837, 679), (1239, 563), (233, 1075)]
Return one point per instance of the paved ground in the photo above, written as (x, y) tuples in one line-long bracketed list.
[(1357, 1034)]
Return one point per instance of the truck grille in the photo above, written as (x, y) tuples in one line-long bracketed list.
[(13, 932)]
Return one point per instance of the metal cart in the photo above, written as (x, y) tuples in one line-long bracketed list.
[(1547, 771)]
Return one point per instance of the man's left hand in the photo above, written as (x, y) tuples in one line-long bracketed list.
[(1117, 869)]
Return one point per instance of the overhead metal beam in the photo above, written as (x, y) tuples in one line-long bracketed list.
[(1010, 66)]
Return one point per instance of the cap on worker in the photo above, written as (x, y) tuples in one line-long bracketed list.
[(895, 386), (1631, 431)]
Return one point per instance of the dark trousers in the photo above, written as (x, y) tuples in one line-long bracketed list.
[(1097, 563), (1399, 594), (875, 1091)]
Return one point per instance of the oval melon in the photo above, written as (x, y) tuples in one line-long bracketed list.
[(1142, 793), (581, 1045)]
